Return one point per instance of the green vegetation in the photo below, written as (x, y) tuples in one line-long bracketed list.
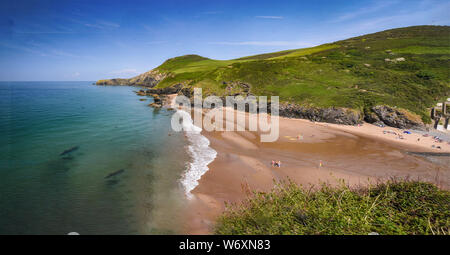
[(351, 73), (408, 68), (424, 50), (393, 208), (291, 53)]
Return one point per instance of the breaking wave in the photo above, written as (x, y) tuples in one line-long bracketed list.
[(199, 151)]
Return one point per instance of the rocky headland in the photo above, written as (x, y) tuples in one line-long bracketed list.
[(379, 115), (390, 78)]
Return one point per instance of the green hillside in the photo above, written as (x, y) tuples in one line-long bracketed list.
[(406, 67)]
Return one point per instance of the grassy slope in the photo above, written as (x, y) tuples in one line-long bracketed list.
[(392, 208), (351, 73)]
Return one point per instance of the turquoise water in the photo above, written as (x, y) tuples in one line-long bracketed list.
[(43, 192)]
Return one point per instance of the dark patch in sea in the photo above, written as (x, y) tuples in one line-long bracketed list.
[(112, 182), (434, 154), (69, 150), (115, 173), (440, 158)]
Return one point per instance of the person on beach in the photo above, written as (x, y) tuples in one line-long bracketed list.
[(273, 163), (279, 163)]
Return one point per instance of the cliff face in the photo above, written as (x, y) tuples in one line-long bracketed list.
[(117, 81), (395, 117), (336, 115), (380, 114), (147, 79)]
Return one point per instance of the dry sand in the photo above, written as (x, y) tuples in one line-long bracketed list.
[(356, 154), (414, 140)]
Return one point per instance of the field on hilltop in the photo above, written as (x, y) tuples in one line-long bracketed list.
[(406, 68)]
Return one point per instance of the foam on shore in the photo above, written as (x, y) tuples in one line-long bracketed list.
[(199, 151)]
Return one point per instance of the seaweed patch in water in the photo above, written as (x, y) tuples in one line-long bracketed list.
[(115, 173), (69, 150)]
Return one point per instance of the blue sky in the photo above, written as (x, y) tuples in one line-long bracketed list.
[(90, 40)]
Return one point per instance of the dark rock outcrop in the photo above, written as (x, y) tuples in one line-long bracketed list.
[(124, 82), (155, 105), (115, 173), (331, 115), (187, 92), (157, 99), (234, 88), (141, 93), (372, 118), (380, 114), (165, 91), (395, 117), (147, 79)]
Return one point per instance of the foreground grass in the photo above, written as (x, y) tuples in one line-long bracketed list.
[(393, 208)]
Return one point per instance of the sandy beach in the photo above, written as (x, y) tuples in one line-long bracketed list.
[(310, 153)]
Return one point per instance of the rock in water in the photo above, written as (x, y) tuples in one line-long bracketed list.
[(112, 182), (69, 150), (67, 157), (115, 173)]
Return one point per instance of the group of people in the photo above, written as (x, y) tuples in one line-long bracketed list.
[(276, 163), (437, 139), (398, 136)]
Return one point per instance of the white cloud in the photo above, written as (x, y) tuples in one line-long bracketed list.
[(41, 32), (211, 12), (30, 28), (23, 48), (62, 53), (42, 50), (364, 11), (98, 24), (266, 43), (126, 71), (432, 14), (148, 28), (269, 17), (156, 42), (101, 24)]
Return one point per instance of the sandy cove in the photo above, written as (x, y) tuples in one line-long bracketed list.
[(413, 142), (356, 154)]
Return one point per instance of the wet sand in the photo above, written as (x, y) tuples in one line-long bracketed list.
[(357, 155)]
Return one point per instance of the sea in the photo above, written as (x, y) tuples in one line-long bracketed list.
[(87, 159)]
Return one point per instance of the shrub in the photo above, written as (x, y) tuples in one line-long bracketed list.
[(392, 208), (426, 75)]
